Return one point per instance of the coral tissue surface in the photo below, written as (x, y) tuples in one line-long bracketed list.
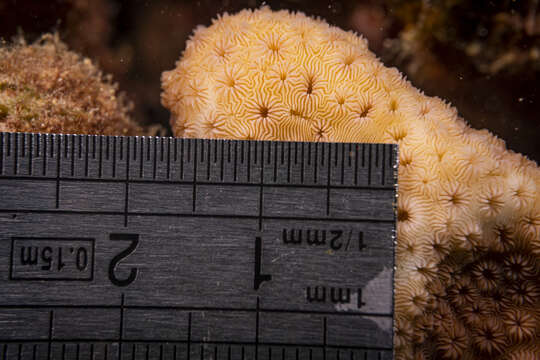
[(468, 247)]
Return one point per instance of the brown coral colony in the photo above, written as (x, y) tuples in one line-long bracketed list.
[(44, 87)]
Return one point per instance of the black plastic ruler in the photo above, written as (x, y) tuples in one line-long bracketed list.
[(163, 248)]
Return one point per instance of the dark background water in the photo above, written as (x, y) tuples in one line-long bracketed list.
[(482, 56)]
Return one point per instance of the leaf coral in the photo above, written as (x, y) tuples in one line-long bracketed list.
[(468, 252)]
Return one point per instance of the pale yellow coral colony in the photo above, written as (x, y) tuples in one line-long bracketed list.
[(468, 252)]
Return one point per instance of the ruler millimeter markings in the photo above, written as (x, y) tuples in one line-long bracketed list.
[(166, 248)]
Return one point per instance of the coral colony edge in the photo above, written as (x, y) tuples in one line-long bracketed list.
[(468, 243)]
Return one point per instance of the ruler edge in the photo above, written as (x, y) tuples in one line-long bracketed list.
[(61, 136)]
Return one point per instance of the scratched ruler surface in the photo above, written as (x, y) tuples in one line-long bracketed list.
[(164, 248)]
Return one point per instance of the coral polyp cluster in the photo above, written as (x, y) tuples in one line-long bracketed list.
[(44, 87), (468, 244)]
